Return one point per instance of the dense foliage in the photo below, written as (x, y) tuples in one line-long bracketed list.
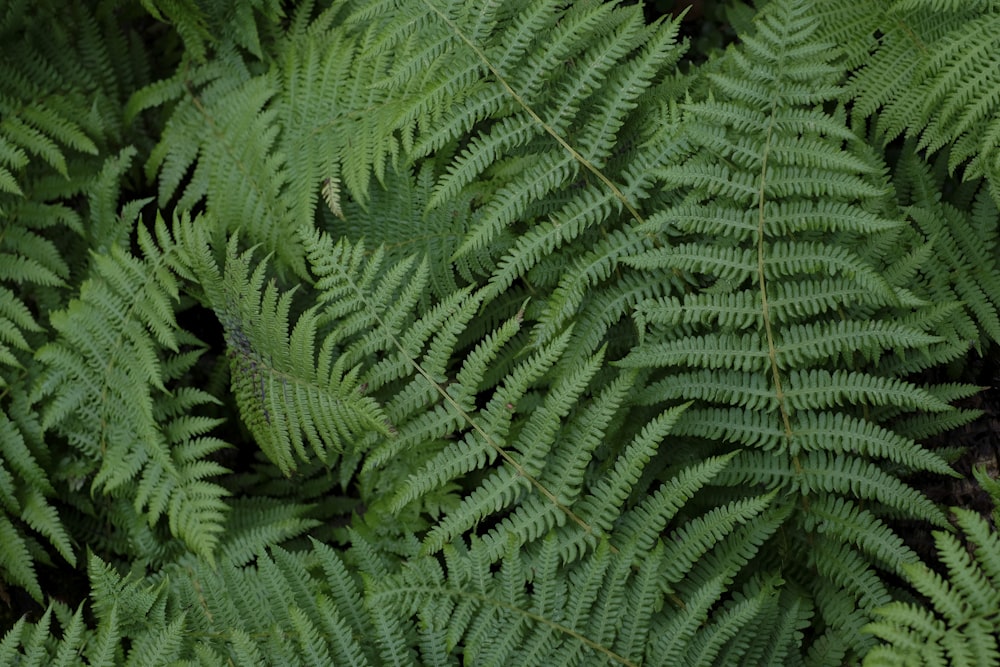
[(514, 332)]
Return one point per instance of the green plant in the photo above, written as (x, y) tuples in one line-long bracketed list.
[(479, 332), (958, 624)]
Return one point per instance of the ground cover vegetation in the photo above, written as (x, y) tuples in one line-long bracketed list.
[(437, 332)]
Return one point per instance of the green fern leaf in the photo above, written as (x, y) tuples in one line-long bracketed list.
[(958, 627), (289, 398), (113, 351)]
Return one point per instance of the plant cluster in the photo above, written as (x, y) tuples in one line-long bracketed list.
[(446, 332)]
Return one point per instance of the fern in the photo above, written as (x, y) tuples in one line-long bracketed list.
[(118, 342), (959, 624), (323, 608), (490, 332), (963, 245), (203, 26), (768, 213), (288, 396), (930, 76), (61, 95)]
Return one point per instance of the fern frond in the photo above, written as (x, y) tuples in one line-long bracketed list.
[(695, 628), (959, 625), (64, 79), (932, 76), (784, 224), (961, 86), (207, 26), (747, 607), (104, 380), (562, 478), (499, 599), (962, 265), (290, 394), (699, 536), (604, 503), (15, 559), (25, 492), (253, 523), (537, 349), (518, 109), (861, 527), (44, 129)]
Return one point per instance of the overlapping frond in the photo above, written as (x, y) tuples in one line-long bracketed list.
[(41, 119), (933, 76), (105, 389), (958, 625), (65, 73), (206, 26), (535, 347), (963, 264), (298, 393)]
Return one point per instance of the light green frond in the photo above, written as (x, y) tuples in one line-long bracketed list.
[(730, 311), (701, 623), (484, 441), (122, 288), (962, 89), (254, 523), (699, 536), (749, 390), (731, 622), (526, 111), (499, 600), (672, 639), (815, 295), (845, 567), (742, 353), (603, 505), (501, 489), (537, 515), (784, 222), (823, 389), (530, 249), (577, 281), (399, 217), (932, 76), (979, 592), (727, 264), (806, 344)]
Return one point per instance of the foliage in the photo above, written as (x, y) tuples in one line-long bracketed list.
[(491, 333), (959, 623)]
